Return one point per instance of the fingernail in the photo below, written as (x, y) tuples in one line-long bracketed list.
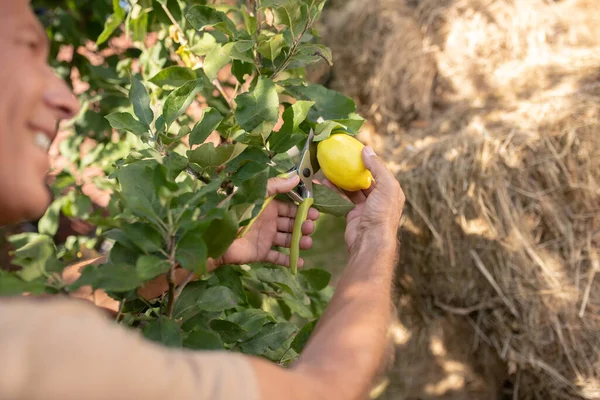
[(369, 151)]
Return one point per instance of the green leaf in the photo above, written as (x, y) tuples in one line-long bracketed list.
[(216, 59), (173, 76), (251, 320), (180, 99), (118, 277), (241, 51), (201, 17), (290, 135), (230, 278), (138, 23), (353, 123), (192, 252), (207, 155), (175, 163), (34, 256), (318, 50), (229, 331), (144, 236), (11, 285), (282, 278), (324, 129), (220, 233), (302, 336), (270, 337), (331, 202), (258, 107), (250, 22), (272, 47), (290, 14), (309, 53), (211, 119), (48, 224), (139, 98), (240, 69), (120, 254), (117, 10), (110, 25), (149, 267), (204, 44), (126, 121), (317, 278), (165, 331), (186, 305), (329, 104), (203, 340), (297, 306), (216, 298), (252, 193), (138, 191)]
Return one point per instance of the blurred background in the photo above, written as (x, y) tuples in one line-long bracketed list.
[(488, 112)]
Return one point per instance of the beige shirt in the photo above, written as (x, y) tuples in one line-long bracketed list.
[(64, 349)]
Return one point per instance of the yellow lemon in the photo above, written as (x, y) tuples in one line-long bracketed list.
[(340, 158)]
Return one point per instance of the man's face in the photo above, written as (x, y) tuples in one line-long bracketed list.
[(32, 101)]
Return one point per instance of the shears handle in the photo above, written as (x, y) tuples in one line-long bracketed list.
[(301, 216)]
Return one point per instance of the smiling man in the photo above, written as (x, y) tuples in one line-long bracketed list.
[(65, 349)]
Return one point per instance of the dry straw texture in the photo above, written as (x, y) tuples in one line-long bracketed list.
[(491, 117)]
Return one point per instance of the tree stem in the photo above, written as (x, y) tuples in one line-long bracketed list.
[(171, 278), (288, 58)]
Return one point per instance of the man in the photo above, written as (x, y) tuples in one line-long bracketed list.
[(62, 349)]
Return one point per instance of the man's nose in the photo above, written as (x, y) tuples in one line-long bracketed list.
[(60, 99)]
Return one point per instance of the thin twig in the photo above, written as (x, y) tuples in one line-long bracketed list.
[(479, 264), (120, 312), (183, 284), (174, 22), (196, 175), (222, 91), (293, 49)]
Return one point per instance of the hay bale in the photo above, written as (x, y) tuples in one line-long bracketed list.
[(381, 61), (434, 359), (502, 180), (502, 226)]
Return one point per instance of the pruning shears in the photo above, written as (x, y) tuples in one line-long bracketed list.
[(302, 195)]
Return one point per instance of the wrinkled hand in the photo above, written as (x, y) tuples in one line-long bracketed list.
[(272, 228), (375, 220)]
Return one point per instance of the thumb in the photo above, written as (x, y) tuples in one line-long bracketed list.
[(282, 184), (381, 174)]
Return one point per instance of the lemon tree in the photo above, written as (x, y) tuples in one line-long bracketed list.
[(193, 106)]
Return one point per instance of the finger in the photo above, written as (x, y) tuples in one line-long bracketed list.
[(285, 240), (313, 214), (285, 209), (282, 239), (275, 257), (306, 243), (356, 197), (308, 227), (384, 179), (282, 185), (285, 224)]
